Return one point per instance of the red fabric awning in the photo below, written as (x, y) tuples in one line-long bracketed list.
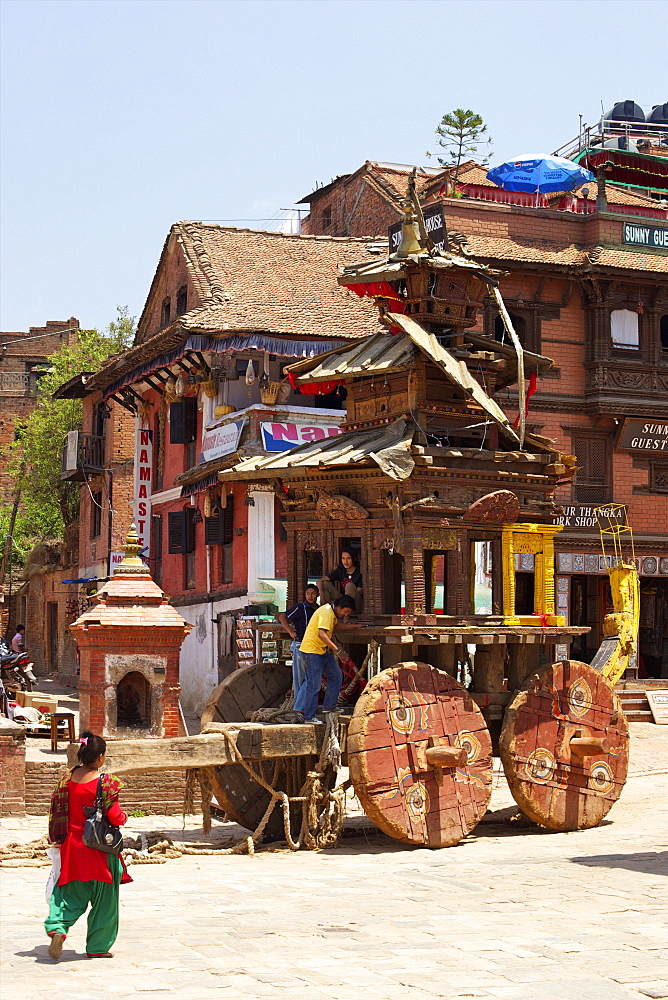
[(379, 290)]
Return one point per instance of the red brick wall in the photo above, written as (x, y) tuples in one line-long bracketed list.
[(12, 767), (45, 589), (356, 210), (156, 794), (118, 455), (171, 275)]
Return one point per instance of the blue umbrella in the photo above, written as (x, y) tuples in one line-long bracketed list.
[(537, 172)]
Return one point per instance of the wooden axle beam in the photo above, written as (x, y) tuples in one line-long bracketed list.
[(254, 741), (588, 746)]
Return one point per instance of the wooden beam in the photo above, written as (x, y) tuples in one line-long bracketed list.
[(254, 741)]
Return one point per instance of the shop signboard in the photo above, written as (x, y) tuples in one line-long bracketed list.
[(583, 515), (142, 488), (651, 237), (220, 441), (71, 451), (284, 436), (644, 435), (115, 558)]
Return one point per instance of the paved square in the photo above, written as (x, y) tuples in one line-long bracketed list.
[(512, 912)]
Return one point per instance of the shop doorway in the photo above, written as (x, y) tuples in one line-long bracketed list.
[(435, 579), (653, 638)]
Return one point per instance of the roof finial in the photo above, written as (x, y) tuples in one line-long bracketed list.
[(131, 563)]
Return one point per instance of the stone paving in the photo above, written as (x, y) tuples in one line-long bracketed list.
[(512, 912)]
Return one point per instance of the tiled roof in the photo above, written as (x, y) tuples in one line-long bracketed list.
[(563, 254), (252, 280), (611, 257)]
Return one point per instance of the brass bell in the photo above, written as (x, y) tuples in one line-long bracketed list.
[(410, 234)]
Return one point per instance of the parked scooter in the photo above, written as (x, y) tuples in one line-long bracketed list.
[(16, 671)]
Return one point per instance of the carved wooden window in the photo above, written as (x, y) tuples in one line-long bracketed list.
[(326, 216), (663, 332), (593, 477), (182, 300), (658, 477), (624, 329), (520, 325)]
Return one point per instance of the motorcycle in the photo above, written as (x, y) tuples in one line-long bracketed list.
[(16, 671)]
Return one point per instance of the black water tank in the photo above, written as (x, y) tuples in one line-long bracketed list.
[(658, 115), (626, 111)]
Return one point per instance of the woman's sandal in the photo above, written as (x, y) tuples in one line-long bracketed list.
[(56, 946), (101, 954)]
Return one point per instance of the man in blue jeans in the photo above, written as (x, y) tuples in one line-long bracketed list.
[(318, 648), (295, 621)]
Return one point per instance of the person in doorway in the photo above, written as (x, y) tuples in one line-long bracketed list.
[(19, 640), (86, 876), (318, 648), (294, 621), (345, 580)]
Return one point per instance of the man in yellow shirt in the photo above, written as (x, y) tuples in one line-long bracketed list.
[(318, 651)]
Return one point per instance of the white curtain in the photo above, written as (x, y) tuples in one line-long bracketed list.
[(624, 328)]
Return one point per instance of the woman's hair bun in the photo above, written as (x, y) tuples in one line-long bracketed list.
[(91, 747)]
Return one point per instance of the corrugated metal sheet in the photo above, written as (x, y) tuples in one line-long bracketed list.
[(388, 446), (383, 352)]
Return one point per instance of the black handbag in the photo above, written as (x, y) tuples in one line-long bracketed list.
[(99, 833)]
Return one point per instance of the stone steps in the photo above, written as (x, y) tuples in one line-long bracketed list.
[(635, 704)]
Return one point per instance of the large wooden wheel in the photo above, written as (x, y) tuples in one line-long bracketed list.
[(420, 756), (564, 746), (262, 685)]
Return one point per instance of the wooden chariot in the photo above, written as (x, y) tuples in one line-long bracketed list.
[(450, 510)]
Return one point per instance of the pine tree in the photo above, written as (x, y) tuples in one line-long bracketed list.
[(461, 133)]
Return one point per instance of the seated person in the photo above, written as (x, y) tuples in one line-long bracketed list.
[(294, 621), (345, 580)]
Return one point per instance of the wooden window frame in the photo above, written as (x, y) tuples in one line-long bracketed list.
[(96, 514), (586, 487)]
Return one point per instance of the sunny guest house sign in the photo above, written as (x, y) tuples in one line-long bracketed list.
[(638, 235), (644, 435)]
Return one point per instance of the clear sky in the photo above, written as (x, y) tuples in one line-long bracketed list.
[(122, 117)]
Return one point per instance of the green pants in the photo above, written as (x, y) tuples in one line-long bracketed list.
[(68, 902)]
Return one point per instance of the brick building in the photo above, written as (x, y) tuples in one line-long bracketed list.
[(582, 291), (21, 356), (363, 203), (202, 386)]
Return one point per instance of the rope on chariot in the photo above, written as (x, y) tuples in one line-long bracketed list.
[(322, 810), (275, 714)]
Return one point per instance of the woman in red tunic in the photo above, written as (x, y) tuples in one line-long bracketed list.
[(86, 876)]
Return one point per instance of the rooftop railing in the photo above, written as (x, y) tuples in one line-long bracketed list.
[(606, 129)]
